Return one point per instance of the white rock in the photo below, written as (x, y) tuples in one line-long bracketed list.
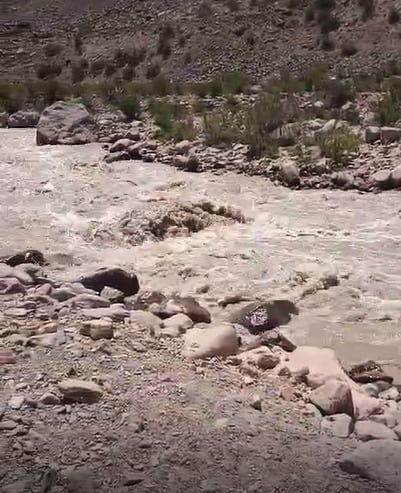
[(217, 340), (175, 326), (16, 402)]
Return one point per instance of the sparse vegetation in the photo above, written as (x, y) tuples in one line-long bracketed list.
[(393, 15), (130, 106), (173, 120), (338, 145), (52, 49)]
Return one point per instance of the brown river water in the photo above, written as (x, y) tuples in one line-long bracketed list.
[(50, 197)]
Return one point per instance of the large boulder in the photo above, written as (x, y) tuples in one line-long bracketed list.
[(112, 277), (23, 119), (66, 123), (378, 460)]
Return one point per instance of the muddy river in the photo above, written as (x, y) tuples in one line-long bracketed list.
[(57, 199)]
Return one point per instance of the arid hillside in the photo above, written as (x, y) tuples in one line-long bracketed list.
[(194, 39)]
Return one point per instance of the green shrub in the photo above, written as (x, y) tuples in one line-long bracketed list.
[(130, 106), (53, 49), (46, 70), (338, 145)]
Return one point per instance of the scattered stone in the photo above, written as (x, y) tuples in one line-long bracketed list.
[(65, 122), (217, 340), (112, 277), (188, 305), (51, 340), (386, 419), (255, 401), (276, 338), (112, 295), (16, 402), (7, 425), (10, 285), (183, 147), (333, 397), (337, 425), (7, 271), (143, 300), (261, 357), (117, 156), (390, 394), (378, 460), (85, 301), (121, 145), (145, 319), (63, 294), (259, 317), (49, 399), (97, 329), (175, 325), (369, 430), (116, 312), (74, 390), (370, 389)]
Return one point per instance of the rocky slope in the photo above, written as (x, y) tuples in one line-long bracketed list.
[(208, 36)]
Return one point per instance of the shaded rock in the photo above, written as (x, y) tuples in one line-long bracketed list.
[(382, 179), (379, 460), (117, 156), (116, 312), (66, 123), (333, 397), (143, 300), (121, 145), (74, 390), (174, 326), (290, 173), (3, 119), (97, 329), (24, 257), (187, 163), (188, 305), (338, 425), (49, 399), (11, 285), (396, 177), (145, 319), (112, 277), (259, 317), (367, 372), (218, 340), (372, 135), (255, 401), (63, 294), (389, 135), (84, 301), (23, 119), (275, 337), (370, 430), (183, 147), (261, 357)]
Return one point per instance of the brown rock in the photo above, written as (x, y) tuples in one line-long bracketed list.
[(338, 425), (97, 329), (143, 300), (368, 372), (372, 135), (84, 301), (290, 173), (334, 397), (121, 145), (382, 179), (175, 326), (188, 305), (74, 390), (10, 285), (7, 357), (116, 312), (114, 277)]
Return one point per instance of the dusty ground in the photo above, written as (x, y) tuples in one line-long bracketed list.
[(199, 433)]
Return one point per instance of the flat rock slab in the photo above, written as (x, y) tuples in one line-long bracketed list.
[(379, 461)]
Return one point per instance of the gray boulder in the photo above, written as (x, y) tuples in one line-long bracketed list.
[(66, 123), (23, 119)]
